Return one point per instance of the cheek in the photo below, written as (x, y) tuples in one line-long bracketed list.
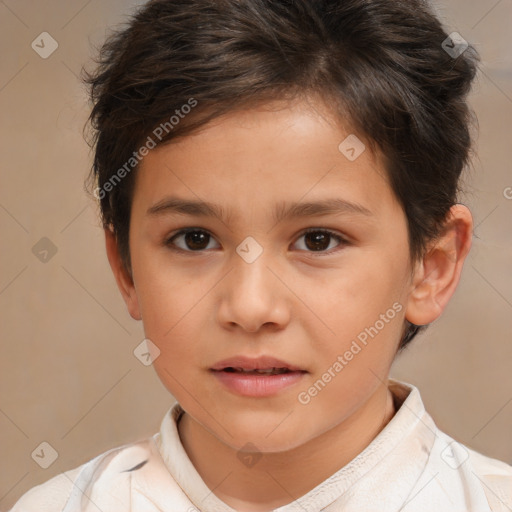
[(361, 320), (166, 298), (354, 296)]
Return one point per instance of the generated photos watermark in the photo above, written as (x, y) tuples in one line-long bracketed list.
[(158, 133), (357, 345)]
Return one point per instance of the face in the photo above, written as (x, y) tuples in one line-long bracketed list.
[(318, 290)]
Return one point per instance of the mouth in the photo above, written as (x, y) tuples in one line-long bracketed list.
[(263, 365), (260, 377), (263, 371)]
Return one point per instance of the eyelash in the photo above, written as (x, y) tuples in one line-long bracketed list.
[(342, 241)]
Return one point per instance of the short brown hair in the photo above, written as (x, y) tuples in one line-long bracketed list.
[(380, 63)]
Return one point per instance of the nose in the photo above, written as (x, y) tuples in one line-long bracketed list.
[(253, 296)]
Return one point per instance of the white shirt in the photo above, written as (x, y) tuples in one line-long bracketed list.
[(411, 466)]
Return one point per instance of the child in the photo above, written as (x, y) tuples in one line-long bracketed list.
[(316, 147)]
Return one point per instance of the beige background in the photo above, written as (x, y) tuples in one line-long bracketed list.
[(68, 375)]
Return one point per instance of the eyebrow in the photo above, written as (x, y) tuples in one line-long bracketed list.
[(282, 211)]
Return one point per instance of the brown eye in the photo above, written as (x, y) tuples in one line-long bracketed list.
[(194, 240), (319, 240)]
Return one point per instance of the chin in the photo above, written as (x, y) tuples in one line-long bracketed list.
[(266, 436)]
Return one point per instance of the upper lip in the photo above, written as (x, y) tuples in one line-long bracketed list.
[(258, 363)]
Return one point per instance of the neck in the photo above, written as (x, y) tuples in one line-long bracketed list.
[(279, 478)]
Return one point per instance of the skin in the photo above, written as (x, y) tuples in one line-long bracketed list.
[(294, 303)]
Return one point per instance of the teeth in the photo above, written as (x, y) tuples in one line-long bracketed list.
[(267, 371)]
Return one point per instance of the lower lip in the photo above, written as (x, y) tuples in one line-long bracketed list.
[(257, 385)]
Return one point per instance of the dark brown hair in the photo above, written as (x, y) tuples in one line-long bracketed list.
[(378, 64)]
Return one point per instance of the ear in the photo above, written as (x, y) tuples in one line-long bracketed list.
[(436, 277), (123, 277)]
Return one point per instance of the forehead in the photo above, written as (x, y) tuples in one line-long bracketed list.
[(275, 154)]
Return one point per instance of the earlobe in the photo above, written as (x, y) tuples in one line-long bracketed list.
[(435, 278), (123, 278)]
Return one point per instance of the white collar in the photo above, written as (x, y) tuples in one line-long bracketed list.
[(401, 450)]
